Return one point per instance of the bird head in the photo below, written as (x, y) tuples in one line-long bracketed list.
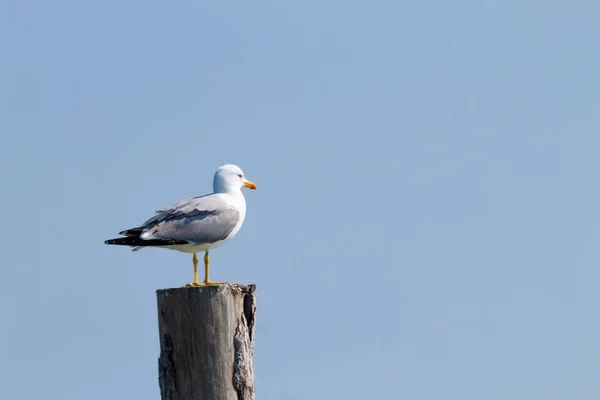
[(230, 177)]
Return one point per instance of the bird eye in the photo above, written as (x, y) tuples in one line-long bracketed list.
[(240, 175)]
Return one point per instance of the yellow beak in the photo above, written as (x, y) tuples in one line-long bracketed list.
[(250, 185)]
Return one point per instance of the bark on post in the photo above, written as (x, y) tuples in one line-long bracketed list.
[(207, 342)]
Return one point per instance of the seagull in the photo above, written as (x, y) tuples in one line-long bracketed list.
[(194, 225)]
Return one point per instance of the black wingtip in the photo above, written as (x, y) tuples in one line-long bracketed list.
[(124, 241), (134, 242)]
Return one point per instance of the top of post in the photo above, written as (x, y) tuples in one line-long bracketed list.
[(232, 287)]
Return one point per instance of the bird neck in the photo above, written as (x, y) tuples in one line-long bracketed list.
[(232, 191), (221, 187)]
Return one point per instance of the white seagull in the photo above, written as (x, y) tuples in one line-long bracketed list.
[(199, 224)]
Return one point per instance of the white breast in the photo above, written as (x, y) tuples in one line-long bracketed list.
[(238, 201)]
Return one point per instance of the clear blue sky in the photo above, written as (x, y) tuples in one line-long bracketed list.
[(426, 224)]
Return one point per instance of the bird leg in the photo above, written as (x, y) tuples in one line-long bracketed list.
[(195, 283), (207, 281)]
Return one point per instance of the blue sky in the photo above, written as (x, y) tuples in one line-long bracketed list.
[(426, 222)]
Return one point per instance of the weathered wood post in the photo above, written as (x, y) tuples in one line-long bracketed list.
[(207, 342)]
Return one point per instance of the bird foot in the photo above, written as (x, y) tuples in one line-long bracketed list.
[(205, 283), (210, 283)]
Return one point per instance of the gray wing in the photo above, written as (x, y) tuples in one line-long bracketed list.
[(206, 219)]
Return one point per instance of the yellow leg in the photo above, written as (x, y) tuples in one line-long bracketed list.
[(206, 262), (207, 281), (195, 283)]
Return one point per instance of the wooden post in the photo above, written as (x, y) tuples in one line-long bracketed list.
[(207, 342)]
